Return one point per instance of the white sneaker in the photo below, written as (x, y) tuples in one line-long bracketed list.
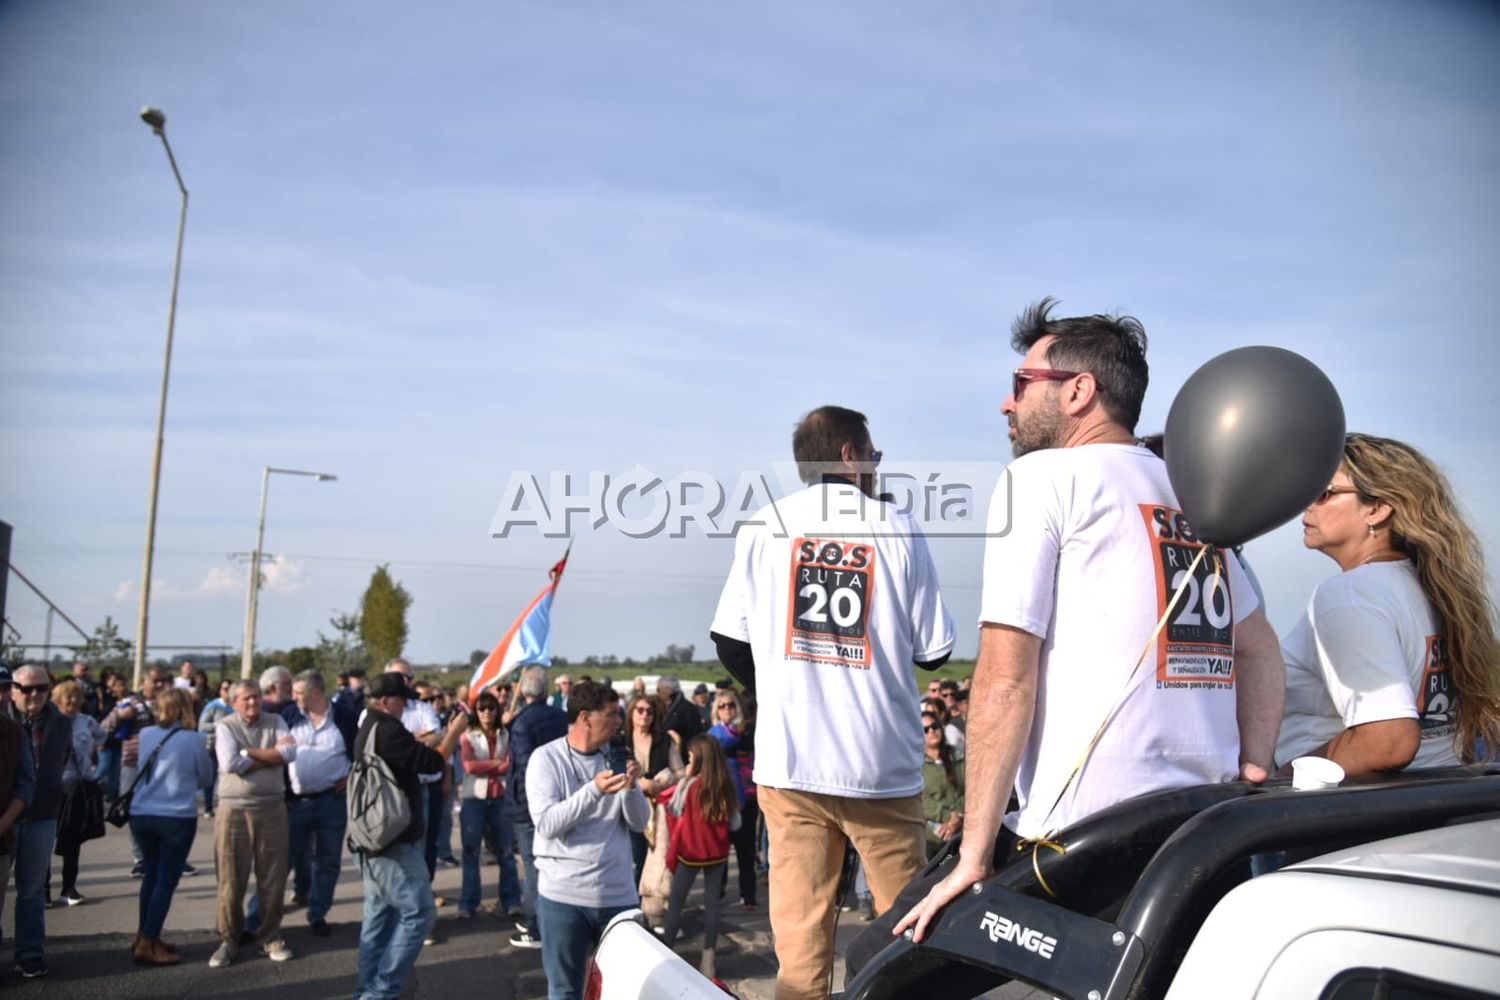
[(223, 956), (277, 951)]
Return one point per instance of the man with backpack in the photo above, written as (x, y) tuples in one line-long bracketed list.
[(387, 840)]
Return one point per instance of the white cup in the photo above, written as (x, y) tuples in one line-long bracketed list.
[(1315, 772)]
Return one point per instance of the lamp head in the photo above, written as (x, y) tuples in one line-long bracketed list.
[(326, 477), (154, 117)]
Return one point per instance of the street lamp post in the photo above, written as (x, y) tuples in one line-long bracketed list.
[(158, 123), (252, 602)]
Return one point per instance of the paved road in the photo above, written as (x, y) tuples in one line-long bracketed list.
[(88, 945)]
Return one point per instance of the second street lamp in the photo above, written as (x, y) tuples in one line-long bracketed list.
[(247, 662)]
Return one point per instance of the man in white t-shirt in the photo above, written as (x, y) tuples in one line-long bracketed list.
[(831, 599), (1079, 567)]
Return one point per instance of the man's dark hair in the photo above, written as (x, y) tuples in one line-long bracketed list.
[(587, 696), (818, 442), (948, 684), (1111, 348), (1156, 444)]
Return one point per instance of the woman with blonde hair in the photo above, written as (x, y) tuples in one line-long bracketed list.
[(79, 765), (1396, 662), (164, 816)]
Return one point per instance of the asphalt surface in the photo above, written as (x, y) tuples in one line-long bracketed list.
[(89, 957), (88, 946)]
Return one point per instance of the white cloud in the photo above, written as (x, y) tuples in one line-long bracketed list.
[(282, 574)]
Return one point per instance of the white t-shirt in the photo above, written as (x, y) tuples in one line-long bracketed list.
[(837, 595), (421, 717), (1086, 547), (1369, 649)]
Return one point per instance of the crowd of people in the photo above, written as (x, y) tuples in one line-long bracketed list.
[(1086, 691)]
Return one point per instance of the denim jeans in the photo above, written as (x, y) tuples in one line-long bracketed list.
[(34, 840), (399, 912), (165, 842), (568, 932), (317, 844), (525, 837), (109, 770), (128, 774), (476, 818), (433, 798), (445, 818)]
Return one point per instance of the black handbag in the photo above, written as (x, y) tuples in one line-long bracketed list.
[(119, 810), (82, 815)]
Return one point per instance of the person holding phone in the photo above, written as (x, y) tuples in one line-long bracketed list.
[(583, 811)]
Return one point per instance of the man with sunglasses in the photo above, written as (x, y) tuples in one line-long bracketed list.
[(1095, 550), (831, 598), (50, 734), (17, 781)]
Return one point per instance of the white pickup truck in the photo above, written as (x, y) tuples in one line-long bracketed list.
[(1388, 890)]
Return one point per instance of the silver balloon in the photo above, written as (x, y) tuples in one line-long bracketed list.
[(1252, 438)]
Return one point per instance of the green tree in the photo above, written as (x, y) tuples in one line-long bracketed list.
[(382, 616), (477, 657), (346, 650), (301, 658), (105, 648)]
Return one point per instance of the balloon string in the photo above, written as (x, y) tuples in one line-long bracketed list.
[(1047, 839)]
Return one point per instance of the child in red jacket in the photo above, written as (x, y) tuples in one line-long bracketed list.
[(701, 811)]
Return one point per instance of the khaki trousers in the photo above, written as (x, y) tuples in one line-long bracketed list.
[(808, 832), (245, 840)]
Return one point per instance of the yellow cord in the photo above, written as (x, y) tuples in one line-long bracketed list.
[(1045, 840)]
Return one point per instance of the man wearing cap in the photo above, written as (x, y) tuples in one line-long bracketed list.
[(17, 780), (399, 911), (352, 689), (564, 685), (702, 700), (50, 735), (421, 720)]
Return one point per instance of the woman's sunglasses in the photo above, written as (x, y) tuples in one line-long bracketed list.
[(1332, 492)]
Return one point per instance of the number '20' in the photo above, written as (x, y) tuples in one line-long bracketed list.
[(1214, 601), (843, 604)]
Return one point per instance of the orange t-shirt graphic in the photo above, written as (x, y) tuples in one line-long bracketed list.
[(1196, 648)]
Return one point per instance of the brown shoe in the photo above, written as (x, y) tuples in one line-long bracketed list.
[(165, 944), (150, 952)]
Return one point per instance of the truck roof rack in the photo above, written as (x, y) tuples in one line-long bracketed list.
[(1138, 879)]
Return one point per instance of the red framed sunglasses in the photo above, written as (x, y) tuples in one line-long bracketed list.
[(1023, 377)]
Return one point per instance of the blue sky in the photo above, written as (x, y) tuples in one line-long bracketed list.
[(430, 247)]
